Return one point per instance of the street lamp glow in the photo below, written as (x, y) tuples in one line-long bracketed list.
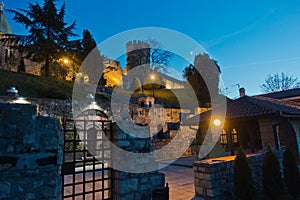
[(152, 77), (66, 61), (217, 122)]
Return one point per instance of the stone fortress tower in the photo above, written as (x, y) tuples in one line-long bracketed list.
[(137, 53)]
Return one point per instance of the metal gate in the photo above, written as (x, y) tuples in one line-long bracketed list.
[(85, 171)]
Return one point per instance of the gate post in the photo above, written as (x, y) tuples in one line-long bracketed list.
[(30, 153), (131, 186)]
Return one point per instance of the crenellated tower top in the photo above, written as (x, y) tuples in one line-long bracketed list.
[(136, 45)]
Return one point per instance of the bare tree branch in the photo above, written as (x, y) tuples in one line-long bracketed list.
[(279, 82)]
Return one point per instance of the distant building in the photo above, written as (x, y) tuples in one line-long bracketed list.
[(137, 53), (112, 72), (10, 56), (256, 123)]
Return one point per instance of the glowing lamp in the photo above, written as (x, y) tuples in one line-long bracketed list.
[(217, 122)]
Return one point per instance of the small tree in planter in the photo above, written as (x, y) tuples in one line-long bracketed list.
[(291, 173), (273, 185), (243, 181)]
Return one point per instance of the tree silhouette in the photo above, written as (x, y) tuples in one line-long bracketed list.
[(91, 58), (243, 181), (48, 32), (279, 82), (159, 58), (291, 173), (273, 185), (88, 43)]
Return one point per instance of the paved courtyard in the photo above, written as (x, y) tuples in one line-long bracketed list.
[(180, 177)]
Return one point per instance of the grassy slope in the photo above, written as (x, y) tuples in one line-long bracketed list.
[(166, 96), (35, 86), (49, 87)]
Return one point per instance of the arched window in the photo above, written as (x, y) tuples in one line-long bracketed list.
[(234, 136), (6, 56), (223, 137)]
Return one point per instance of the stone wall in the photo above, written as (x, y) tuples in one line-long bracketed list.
[(214, 177), (160, 143), (130, 186), (30, 153), (48, 107)]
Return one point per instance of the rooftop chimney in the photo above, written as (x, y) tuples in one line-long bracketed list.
[(242, 92)]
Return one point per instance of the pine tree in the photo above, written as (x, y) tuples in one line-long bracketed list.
[(291, 173), (243, 181), (273, 185), (49, 33), (91, 59), (88, 43)]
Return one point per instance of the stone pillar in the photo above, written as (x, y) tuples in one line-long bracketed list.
[(30, 154), (130, 186)]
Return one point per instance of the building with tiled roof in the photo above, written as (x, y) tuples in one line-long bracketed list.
[(10, 56), (256, 123), (291, 95)]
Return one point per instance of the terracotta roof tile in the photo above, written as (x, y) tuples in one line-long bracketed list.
[(283, 94), (253, 107)]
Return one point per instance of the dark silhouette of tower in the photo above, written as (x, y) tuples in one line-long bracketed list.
[(137, 53)]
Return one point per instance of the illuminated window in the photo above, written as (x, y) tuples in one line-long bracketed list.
[(223, 137), (234, 136)]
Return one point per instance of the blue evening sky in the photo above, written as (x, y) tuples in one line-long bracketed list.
[(249, 39)]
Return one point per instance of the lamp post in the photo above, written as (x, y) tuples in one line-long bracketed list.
[(152, 78)]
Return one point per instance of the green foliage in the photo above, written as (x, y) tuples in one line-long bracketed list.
[(58, 71), (273, 185), (90, 58), (35, 86), (48, 32), (88, 43), (291, 173), (243, 181)]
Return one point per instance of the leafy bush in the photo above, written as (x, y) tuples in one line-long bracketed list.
[(291, 173), (243, 181), (273, 185)]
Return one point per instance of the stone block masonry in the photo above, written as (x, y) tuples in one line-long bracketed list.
[(30, 154), (129, 186), (214, 177)]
